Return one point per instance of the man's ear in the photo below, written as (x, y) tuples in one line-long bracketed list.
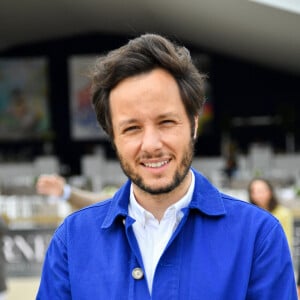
[(196, 127)]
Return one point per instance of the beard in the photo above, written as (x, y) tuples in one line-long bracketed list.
[(179, 175)]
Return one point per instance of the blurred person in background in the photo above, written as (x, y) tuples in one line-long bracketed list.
[(3, 286), (261, 193), (56, 185)]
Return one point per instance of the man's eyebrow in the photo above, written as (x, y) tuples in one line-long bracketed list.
[(168, 115), (127, 122), (159, 117)]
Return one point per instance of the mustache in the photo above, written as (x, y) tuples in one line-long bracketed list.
[(156, 155)]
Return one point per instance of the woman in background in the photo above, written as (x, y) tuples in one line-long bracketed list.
[(261, 193)]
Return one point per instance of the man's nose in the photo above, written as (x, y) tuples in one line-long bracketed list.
[(151, 140)]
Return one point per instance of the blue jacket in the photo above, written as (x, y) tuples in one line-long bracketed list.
[(223, 248)]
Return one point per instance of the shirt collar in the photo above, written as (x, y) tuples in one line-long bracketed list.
[(205, 198)]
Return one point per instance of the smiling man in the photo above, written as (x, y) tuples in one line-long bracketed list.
[(167, 233), (148, 116)]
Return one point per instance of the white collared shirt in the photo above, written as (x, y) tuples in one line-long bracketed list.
[(152, 236)]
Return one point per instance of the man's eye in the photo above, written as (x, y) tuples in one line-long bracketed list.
[(167, 122), (131, 128)]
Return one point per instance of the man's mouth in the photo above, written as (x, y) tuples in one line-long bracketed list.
[(156, 164)]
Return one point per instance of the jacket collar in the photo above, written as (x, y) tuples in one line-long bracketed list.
[(206, 199)]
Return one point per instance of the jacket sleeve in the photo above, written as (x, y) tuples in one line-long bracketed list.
[(55, 284), (272, 274)]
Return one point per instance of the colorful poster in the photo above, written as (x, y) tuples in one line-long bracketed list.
[(84, 125), (24, 110), (206, 119)]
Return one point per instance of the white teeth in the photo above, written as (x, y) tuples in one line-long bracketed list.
[(156, 165)]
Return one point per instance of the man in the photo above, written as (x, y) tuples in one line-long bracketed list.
[(167, 233)]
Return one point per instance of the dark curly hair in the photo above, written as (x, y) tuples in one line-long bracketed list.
[(141, 55)]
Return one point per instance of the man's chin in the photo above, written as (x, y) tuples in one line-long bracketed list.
[(156, 189)]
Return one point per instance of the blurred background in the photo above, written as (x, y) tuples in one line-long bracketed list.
[(250, 51)]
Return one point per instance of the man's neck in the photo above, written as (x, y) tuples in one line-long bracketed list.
[(158, 204)]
